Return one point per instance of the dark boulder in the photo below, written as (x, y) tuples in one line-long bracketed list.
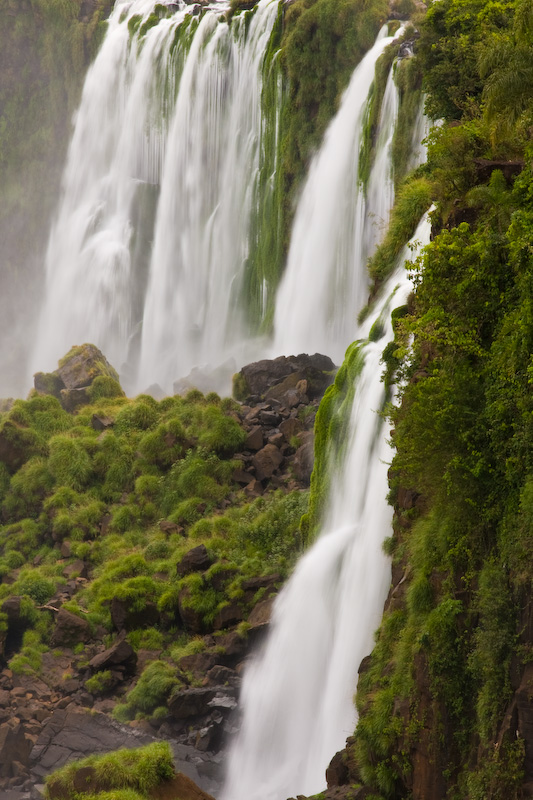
[(255, 439), (337, 773), (230, 614), (195, 560), (189, 703), (257, 379), (99, 422), (290, 427), (120, 654), (15, 747), (266, 461), (76, 372), (69, 630), (82, 364), (222, 676)]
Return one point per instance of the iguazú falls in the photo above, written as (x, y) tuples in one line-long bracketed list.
[(261, 266)]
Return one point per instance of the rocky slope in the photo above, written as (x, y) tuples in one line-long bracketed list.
[(156, 629)]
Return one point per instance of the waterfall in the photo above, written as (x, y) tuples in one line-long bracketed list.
[(166, 148), (117, 147), (297, 696), (337, 225), (147, 258), (192, 315)]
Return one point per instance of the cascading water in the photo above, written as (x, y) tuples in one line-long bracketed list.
[(170, 116), (192, 314), (337, 225), (117, 146), (298, 695)]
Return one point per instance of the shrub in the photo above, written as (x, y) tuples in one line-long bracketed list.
[(113, 464), (100, 683), (103, 387), (223, 435), (30, 658), (136, 416), (69, 462), (34, 585), (152, 690), (27, 489)]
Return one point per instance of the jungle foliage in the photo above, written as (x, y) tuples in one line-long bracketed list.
[(453, 642)]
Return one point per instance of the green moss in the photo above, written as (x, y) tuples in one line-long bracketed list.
[(27, 490), (134, 23), (100, 683), (104, 387), (413, 200), (331, 425), (152, 690), (138, 415), (323, 42), (240, 389), (372, 112), (69, 462), (29, 660), (221, 434), (49, 383), (408, 77), (140, 770)]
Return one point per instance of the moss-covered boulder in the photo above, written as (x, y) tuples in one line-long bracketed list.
[(83, 376), (148, 772)]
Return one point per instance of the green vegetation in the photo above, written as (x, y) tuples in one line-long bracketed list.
[(452, 647), (126, 505), (370, 124), (412, 201), (313, 49), (323, 42), (331, 427), (110, 775), (151, 691)]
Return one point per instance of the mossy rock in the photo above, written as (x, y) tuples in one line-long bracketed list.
[(84, 375), (81, 365), (142, 770)]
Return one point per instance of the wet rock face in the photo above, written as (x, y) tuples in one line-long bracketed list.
[(124, 619)]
